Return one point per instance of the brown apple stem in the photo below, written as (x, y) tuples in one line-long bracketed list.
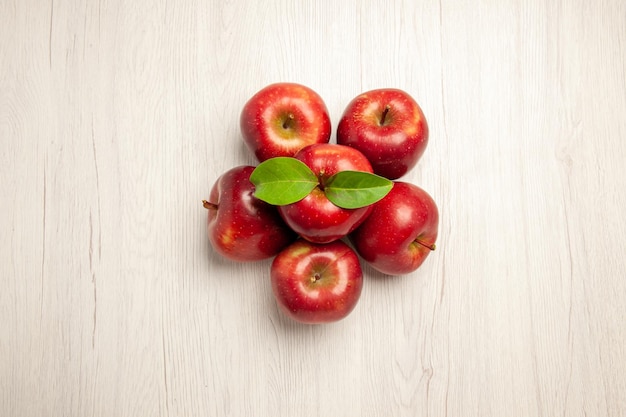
[(209, 206), (384, 115), (287, 123), (431, 247)]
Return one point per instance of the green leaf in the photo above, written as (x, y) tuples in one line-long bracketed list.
[(355, 189), (282, 180)]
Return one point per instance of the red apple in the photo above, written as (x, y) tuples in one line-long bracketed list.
[(283, 118), (240, 226), (316, 283), (400, 232), (388, 127), (315, 217)]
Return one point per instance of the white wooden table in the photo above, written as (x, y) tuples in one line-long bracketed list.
[(116, 117)]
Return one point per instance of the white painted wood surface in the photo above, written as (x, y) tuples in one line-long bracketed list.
[(117, 116)]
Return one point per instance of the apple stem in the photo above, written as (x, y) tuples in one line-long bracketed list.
[(287, 123), (431, 247), (209, 206), (384, 115)]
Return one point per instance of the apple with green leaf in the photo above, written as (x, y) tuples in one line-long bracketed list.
[(315, 283), (400, 232), (388, 127), (324, 192), (283, 118), (240, 226)]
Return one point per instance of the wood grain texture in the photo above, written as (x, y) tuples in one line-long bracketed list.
[(116, 117)]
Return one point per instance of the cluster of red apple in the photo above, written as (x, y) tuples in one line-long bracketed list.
[(308, 198)]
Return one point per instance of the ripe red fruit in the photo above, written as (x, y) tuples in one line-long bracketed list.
[(240, 226), (388, 127), (400, 232), (315, 217), (283, 118), (316, 283)]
